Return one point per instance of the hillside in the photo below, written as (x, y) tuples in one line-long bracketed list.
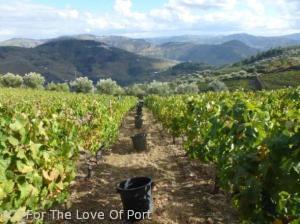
[(228, 52), (273, 69), (62, 60), (225, 53)]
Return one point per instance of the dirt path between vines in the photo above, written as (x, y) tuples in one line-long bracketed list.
[(183, 187)]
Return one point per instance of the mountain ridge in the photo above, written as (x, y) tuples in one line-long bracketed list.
[(255, 41), (181, 51), (63, 60)]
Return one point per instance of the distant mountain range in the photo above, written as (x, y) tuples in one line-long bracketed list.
[(128, 60), (215, 54), (135, 45), (258, 42)]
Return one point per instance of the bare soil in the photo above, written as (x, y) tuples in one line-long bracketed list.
[(183, 187)]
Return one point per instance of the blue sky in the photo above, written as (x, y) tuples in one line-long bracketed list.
[(102, 5), (147, 18)]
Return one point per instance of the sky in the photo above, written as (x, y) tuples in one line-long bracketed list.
[(40, 19)]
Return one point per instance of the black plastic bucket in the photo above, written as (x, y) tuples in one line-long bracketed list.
[(141, 103), (136, 196), (138, 116), (139, 110), (140, 141), (138, 123)]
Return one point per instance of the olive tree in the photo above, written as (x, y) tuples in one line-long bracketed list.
[(82, 85), (217, 86), (34, 80), (59, 87), (159, 88), (136, 90), (11, 80), (109, 86), (187, 88)]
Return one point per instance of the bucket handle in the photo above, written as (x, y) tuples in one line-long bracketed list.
[(153, 184)]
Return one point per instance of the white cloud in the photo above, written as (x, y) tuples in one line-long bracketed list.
[(22, 18), (123, 7)]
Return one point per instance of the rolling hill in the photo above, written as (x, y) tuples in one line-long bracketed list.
[(215, 50), (221, 54), (272, 69), (259, 42), (65, 59), (225, 53)]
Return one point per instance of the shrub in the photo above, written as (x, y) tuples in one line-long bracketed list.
[(34, 80), (82, 85), (242, 73), (217, 86), (59, 87), (11, 80), (109, 86)]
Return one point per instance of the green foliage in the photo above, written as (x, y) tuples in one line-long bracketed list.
[(253, 138), (40, 137), (34, 80), (58, 87), (82, 85), (136, 90), (281, 79), (217, 86), (264, 55), (241, 84), (109, 87), (159, 88), (11, 80), (187, 88), (186, 68)]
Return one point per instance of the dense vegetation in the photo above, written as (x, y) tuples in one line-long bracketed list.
[(40, 137), (254, 141)]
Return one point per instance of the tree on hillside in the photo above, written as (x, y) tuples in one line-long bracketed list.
[(109, 86), (82, 85), (59, 87), (136, 90), (217, 86), (187, 88), (11, 80), (159, 88), (34, 80)]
